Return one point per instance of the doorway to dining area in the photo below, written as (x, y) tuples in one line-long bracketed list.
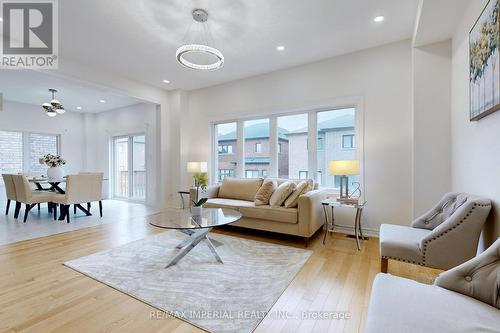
[(129, 167)]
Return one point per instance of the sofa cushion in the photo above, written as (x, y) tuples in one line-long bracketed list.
[(310, 182), (239, 188), (265, 191), (278, 214), (281, 193), (228, 203), (403, 243), (293, 200), (401, 305)]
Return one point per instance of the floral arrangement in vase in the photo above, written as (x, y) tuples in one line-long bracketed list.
[(55, 163), (52, 160)]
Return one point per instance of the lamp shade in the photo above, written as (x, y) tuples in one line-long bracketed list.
[(194, 167), (343, 168)]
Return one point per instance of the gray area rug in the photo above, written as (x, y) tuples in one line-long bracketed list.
[(229, 297)]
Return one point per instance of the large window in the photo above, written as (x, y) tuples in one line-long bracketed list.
[(39, 145), (11, 152), (292, 136), (227, 149), (21, 151), (336, 129), (256, 138), (281, 146)]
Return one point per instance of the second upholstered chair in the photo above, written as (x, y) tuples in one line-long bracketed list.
[(82, 188), (463, 299), (445, 237)]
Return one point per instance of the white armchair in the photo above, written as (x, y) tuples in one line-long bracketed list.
[(443, 238), (462, 300)]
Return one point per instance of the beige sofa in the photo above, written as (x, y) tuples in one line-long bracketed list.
[(239, 194)]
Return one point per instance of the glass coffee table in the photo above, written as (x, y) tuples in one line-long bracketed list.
[(196, 227)]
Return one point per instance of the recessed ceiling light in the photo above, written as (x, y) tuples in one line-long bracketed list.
[(280, 48), (166, 81), (102, 101), (79, 108), (378, 19)]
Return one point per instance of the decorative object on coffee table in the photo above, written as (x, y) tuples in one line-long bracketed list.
[(200, 177)]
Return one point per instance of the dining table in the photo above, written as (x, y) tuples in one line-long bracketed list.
[(53, 184)]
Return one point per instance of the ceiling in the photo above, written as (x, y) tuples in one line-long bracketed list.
[(137, 39), (432, 26), (31, 87)]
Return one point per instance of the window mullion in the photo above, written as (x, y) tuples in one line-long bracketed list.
[(312, 146), (240, 143), (26, 152), (273, 147)]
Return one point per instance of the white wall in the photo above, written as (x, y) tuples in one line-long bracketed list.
[(475, 145), (28, 117), (139, 118), (431, 125), (380, 78)]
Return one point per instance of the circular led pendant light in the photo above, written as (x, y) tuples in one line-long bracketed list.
[(54, 107), (201, 17)]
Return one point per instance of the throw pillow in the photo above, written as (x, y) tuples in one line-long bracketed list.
[(293, 199), (281, 193), (264, 193)]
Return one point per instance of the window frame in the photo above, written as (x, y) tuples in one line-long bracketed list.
[(353, 141), (26, 151), (312, 109), (258, 148)]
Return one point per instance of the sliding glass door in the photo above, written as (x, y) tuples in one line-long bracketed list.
[(129, 167)]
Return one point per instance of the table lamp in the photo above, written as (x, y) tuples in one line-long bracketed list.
[(198, 169), (343, 169)]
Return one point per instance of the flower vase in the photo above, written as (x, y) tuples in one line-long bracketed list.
[(196, 210), (55, 172)]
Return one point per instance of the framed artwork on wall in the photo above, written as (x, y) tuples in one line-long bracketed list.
[(484, 79)]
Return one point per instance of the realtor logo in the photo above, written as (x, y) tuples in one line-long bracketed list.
[(29, 34)]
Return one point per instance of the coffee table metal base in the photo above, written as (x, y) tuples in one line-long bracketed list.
[(195, 237)]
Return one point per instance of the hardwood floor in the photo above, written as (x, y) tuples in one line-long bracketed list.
[(38, 294)]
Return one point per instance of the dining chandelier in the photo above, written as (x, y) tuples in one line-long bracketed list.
[(200, 47), (54, 107)]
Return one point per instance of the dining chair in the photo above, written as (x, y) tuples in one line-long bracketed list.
[(81, 188), (98, 195), (25, 195), (10, 192)]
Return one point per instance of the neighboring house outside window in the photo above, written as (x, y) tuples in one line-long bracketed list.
[(223, 173), (319, 178), (321, 143), (303, 174), (348, 141), (258, 147), (225, 149), (252, 173)]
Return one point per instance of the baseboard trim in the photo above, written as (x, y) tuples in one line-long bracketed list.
[(350, 230)]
